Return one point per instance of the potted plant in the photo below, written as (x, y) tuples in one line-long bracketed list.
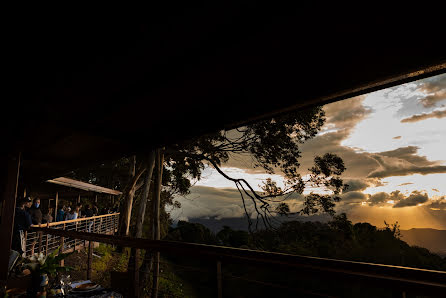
[(44, 268)]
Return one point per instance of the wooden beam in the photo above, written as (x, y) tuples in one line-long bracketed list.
[(9, 193)]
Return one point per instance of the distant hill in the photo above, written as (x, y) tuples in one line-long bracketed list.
[(434, 240), (241, 223)]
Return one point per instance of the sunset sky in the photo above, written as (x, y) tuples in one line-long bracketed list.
[(393, 143)]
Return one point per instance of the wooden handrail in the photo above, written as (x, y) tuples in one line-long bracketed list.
[(73, 220), (422, 280)]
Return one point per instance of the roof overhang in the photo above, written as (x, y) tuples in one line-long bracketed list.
[(93, 91), (83, 185)]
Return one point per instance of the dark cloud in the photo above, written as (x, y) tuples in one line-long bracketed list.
[(397, 138), (407, 183), (382, 197), (398, 168), (402, 162), (434, 189), (413, 199), (353, 197), (378, 198), (420, 117), (346, 113), (439, 204), (435, 88), (409, 154), (356, 184)]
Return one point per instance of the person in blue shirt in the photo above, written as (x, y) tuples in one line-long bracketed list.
[(60, 214)]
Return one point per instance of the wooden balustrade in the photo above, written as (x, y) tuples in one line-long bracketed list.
[(102, 224), (394, 277)]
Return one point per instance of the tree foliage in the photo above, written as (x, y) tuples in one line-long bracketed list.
[(274, 146)]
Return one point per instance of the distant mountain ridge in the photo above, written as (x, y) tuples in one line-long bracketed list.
[(432, 239), (241, 223)]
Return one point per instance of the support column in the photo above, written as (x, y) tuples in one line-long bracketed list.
[(55, 208), (8, 192)]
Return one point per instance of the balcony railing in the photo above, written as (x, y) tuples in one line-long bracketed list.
[(393, 278), (37, 242)]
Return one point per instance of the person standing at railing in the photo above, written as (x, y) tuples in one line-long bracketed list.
[(22, 222), (36, 212), (89, 213), (67, 213), (60, 214), (47, 217)]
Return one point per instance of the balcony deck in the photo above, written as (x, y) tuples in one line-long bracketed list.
[(37, 242)]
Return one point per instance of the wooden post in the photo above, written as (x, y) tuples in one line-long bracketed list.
[(47, 236), (62, 248), (219, 283), (75, 238), (55, 209), (96, 199), (90, 259), (8, 191), (62, 240), (79, 199)]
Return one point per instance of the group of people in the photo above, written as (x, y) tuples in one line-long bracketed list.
[(69, 213), (28, 212)]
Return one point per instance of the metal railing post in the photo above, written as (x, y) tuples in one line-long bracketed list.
[(47, 238)]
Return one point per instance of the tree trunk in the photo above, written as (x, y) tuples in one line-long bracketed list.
[(135, 253), (145, 195), (128, 194), (156, 216)]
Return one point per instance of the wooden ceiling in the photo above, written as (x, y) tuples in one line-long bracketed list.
[(87, 90)]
